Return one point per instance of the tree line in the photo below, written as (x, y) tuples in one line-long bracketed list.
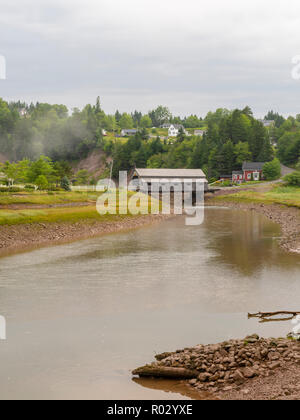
[(28, 132)]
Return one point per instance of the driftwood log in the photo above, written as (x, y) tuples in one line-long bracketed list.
[(165, 372), (269, 316)]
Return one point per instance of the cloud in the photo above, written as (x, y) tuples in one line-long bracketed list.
[(192, 56)]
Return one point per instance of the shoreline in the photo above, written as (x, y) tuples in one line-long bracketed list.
[(21, 238), (287, 217), (250, 369)]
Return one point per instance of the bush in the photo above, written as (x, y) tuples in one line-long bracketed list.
[(272, 170), (293, 179), (29, 187), (65, 184), (42, 182), (11, 189), (54, 188)]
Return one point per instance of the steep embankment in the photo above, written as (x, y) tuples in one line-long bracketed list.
[(3, 158), (95, 163)]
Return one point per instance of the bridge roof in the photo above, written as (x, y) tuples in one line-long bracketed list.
[(170, 173)]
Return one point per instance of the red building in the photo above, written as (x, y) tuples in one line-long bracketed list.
[(251, 171)]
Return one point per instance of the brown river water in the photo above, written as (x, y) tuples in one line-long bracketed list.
[(81, 316)]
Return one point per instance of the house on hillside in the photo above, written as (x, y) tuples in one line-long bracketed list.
[(199, 132), (128, 133), (267, 123), (174, 130), (23, 112), (251, 171)]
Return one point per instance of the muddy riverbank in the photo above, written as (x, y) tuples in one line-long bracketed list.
[(253, 368), (24, 237)]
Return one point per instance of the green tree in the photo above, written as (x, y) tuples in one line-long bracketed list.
[(160, 116), (82, 177), (41, 182), (293, 179), (181, 135), (126, 121), (65, 184), (43, 166), (146, 122), (242, 153), (272, 170)]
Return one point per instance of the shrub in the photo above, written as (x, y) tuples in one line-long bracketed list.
[(272, 170), (42, 182), (11, 189), (293, 178), (29, 187), (65, 184)]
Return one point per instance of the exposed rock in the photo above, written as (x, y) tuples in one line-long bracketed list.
[(238, 377), (227, 365)]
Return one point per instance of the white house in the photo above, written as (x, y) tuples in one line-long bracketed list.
[(174, 130), (267, 123)]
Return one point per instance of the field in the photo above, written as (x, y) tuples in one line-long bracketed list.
[(284, 195), (47, 198), (70, 207)]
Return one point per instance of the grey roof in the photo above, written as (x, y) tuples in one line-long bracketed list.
[(130, 130), (170, 173), (253, 166), (177, 126), (237, 173)]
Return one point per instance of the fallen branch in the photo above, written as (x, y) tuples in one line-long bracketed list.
[(165, 372), (264, 315)]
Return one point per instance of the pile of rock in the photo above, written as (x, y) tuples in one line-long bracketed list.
[(223, 366)]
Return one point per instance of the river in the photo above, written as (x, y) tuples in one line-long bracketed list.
[(81, 316)]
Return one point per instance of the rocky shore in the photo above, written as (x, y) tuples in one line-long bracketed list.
[(254, 368), (24, 237)]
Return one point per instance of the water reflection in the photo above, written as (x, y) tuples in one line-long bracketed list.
[(81, 316)]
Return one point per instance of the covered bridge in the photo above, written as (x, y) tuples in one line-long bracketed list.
[(169, 177)]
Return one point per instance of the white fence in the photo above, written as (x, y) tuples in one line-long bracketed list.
[(84, 188)]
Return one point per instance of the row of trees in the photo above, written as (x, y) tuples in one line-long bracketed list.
[(231, 139), (30, 131), (27, 131), (42, 173)]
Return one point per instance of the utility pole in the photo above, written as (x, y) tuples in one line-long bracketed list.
[(111, 171)]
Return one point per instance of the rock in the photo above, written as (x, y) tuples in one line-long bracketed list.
[(252, 338), (245, 391), (274, 365), (228, 388), (238, 377), (249, 373), (204, 377), (215, 377), (193, 382)]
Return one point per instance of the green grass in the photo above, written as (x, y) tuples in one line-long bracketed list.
[(44, 198), (284, 195), (59, 215), (66, 214)]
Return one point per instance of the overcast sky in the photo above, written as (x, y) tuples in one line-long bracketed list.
[(192, 56)]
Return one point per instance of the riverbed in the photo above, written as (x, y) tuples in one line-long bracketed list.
[(81, 316)]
